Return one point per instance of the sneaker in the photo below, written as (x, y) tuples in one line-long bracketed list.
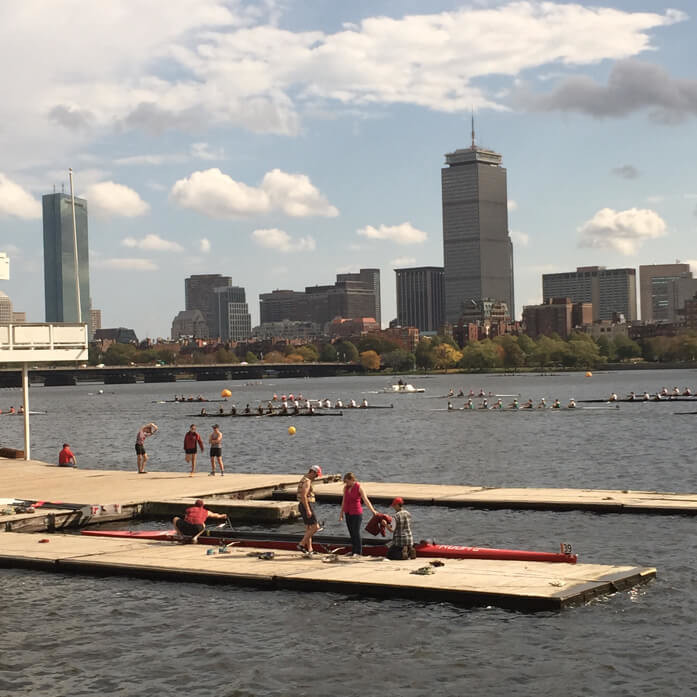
[(211, 474), (300, 548), (309, 554), (222, 473)]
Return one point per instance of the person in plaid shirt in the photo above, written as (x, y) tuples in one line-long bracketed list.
[(402, 545)]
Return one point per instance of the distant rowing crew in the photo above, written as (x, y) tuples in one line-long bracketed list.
[(663, 394), (515, 404), (307, 407)]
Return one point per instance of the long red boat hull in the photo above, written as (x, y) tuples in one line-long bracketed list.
[(423, 549)]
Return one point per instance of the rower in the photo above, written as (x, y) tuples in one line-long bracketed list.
[(687, 392), (528, 404), (450, 406), (676, 391), (269, 408), (481, 393), (353, 404), (471, 393), (291, 398), (571, 404), (364, 403), (461, 393), (613, 397), (514, 404), (470, 404), (632, 396), (310, 409), (296, 408), (199, 398), (275, 398), (338, 404), (498, 404), (21, 409), (484, 405), (296, 404), (542, 404), (451, 392), (203, 411), (284, 408), (221, 410), (664, 391), (260, 409), (247, 410), (556, 404), (327, 404), (233, 410), (646, 397)]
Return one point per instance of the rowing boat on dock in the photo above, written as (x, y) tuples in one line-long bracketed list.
[(326, 544)]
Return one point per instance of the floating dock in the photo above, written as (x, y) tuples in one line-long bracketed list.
[(529, 586)]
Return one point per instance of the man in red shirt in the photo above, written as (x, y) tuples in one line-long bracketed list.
[(191, 441), (66, 457), (194, 522)]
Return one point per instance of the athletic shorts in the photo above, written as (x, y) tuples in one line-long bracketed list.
[(140, 449), (216, 452), (190, 451), (188, 529), (308, 520)]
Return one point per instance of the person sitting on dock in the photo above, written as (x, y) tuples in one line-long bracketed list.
[(194, 521), (191, 440), (141, 455), (402, 545), (66, 458), (306, 497)]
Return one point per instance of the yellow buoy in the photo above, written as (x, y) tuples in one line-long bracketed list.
[(589, 374), (226, 393), (291, 430)]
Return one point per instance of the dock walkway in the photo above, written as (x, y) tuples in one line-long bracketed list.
[(509, 584)]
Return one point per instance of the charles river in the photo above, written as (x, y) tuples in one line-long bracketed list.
[(72, 635)]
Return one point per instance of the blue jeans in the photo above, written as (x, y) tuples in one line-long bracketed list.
[(353, 523)]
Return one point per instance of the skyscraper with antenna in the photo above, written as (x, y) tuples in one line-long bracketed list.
[(477, 248)]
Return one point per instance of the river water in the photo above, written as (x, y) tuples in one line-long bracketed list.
[(71, 635)]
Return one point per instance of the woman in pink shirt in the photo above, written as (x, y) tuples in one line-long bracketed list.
[(353, 510)]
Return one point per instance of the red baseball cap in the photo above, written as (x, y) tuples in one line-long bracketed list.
[(399, 501), (317, 469)]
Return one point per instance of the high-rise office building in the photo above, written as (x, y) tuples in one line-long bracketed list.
[(5, 309), (59, 259), (95, 322), (420, 300), (234, 319), (477, 248), (660, 287), (200, 295), (612, 291), (370, 278)]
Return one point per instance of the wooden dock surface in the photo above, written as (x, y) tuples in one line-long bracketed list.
[(510, 584), (599, 500)]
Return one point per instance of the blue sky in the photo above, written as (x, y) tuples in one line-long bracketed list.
[(282, 142)]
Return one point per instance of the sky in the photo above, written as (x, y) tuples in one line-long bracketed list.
[(281, 142)]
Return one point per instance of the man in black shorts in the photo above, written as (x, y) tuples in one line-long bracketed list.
[(194, 521), (215, 440), (306, 497)]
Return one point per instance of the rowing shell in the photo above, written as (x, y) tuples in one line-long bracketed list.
[(213, 415), (341, 545)]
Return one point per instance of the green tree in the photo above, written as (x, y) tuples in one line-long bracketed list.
[(119, 354), (327, 354), (398, 360), (251, 357), (526, 344), (480, 356), (513, 355), (606, 349), (309, 353), (168, 357), (424, 354), (370, 360), (625, 348), (346, 351), (274, 357), (379, 344), (224, 356), (446, 357)]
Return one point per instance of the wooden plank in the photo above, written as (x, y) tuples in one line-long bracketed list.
[(524, 585), (237, 510)]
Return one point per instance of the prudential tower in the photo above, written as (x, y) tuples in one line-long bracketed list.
[(477, 248)]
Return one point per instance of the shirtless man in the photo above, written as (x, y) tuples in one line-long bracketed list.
[(215, 440)]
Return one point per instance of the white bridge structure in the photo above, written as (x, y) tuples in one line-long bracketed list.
[(43, 343)]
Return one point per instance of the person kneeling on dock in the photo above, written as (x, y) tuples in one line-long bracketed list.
[(306, 497), (66, 458), (402, 545), (194, 521)]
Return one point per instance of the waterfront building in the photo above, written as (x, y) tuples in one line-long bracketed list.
[(19, 317), (288, 329), (5, 309), (663, 290), (189, 324), (477, 248), (199, 291), (234, 319), (371, 279), (95, 321), (611, 291), (341, 328), (117, 335), (555, 316), (420, 297), (59, 258)]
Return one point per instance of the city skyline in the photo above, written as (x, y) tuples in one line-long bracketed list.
[(322, 154)]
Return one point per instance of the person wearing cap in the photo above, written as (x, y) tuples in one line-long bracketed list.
[(352, 508), (402, 545), (191, 440), (306, 497), (141, 456), (194, 521), (66, 458), (215, 441)]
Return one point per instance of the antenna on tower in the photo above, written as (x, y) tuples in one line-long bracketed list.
[(473, 146)]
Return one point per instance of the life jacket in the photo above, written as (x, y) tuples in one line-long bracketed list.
[(377, 525)]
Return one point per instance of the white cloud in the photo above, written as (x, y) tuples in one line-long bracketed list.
[(348, 268), (623, 231), (403, 261), (656, 198), (152, 242), (405, 233), (281, 241), (217, 195), (520, 238), (213, 62), (109, 200), (135, 264), (204, 245), (16, 201), (153, 160), (203, 151)]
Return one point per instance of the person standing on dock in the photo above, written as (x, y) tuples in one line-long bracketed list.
[(352, 508), (402, 545), (141, 456), (216, 442), (194, 521), (306, 497), (191, 440), (66, 458)]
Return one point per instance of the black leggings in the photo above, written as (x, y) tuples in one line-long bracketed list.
[(353, 523)]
